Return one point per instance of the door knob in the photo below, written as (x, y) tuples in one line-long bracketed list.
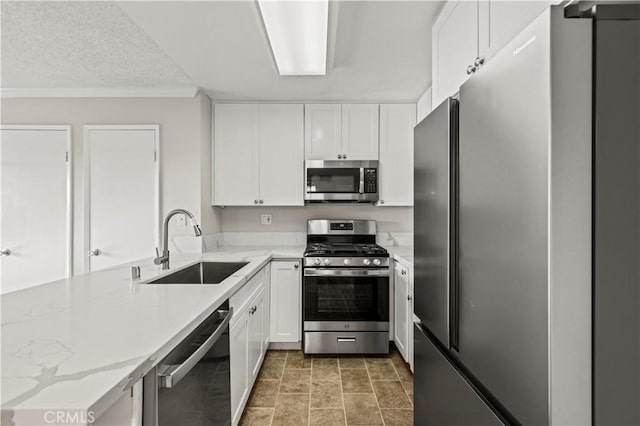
[(5, 252), (95, 252)]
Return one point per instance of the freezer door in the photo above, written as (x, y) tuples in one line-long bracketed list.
[(503, 228), (432, 200), (442, 396)]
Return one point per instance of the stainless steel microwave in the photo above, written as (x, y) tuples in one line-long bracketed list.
[(341, 181)]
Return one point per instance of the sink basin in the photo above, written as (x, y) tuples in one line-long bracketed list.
[(202, 273)]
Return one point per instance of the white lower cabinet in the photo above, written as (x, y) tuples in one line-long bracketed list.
[(247, 341), (403, 311), (127, 410), (286, 302)]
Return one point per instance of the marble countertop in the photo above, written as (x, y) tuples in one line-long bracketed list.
[(403, 254), (78, 343)]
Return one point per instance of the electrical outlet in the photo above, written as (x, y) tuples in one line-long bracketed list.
[(266, 219)]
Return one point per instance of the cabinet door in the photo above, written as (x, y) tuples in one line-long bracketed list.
[(239, 370), (396, 154), (281, 155), (360, 131), (266, 328), (455, 47), (322, 131), (236, 154), (500, 21), (400, 309), (286, 318), (256, 340)]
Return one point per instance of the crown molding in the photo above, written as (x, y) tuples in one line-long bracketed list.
[(100, 92)]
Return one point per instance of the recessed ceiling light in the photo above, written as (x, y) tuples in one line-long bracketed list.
[(297, 32)]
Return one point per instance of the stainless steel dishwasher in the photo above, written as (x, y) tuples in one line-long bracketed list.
[(191, 385)]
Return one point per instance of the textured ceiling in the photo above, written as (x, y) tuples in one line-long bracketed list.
[(76, 44), (382, 49)]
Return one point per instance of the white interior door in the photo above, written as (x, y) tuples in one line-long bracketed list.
[(35, 213), (121, 194)]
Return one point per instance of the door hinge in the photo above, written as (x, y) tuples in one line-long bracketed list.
[(66, 156), (155, 156)]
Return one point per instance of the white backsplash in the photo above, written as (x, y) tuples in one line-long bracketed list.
[(211, 242)]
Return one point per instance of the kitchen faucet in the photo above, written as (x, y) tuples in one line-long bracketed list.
[(164, 259)]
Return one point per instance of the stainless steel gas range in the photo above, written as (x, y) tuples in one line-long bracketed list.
[(345, 289)]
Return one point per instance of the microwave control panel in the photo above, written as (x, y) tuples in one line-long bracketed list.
[(370, 181)]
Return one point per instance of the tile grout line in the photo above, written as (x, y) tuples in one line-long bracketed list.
[(375, 396), (344, 407), (402, 385)]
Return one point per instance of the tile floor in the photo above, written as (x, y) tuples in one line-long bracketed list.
[(293, 389)]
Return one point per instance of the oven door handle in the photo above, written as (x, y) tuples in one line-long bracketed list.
[(345, 272), (172, 374)]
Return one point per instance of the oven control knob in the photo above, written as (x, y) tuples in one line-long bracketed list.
[(366, 262), (316, 262), (327, 262), (347, 262), (376, 262)]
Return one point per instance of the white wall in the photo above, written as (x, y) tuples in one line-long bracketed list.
[(424, 105), (185, 149), (294, 219)]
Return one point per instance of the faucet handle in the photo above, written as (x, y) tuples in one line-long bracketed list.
[(157, 252)]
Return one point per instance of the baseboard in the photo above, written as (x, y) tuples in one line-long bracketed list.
[(290, 346)]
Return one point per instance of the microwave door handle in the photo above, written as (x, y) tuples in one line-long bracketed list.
[(170, 378), (361, 180)]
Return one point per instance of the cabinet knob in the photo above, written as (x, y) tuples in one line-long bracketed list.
[(344, 156), (261, 201), (255, 201), (403, 272), (409, 297), (296, 265), (381, 201), (94, 252), (479, 61), (339, 157), (471, 69), (5, 252)]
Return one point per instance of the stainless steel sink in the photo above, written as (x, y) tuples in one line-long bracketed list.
[(202, 273)]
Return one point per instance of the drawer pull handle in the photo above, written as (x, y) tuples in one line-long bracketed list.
[(346, 339)]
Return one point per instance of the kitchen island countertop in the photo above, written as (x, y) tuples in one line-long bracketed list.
[(77, 344)]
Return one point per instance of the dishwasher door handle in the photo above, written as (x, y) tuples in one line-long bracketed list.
[(171, 375)]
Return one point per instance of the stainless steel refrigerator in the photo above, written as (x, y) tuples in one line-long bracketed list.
[(527, 231)]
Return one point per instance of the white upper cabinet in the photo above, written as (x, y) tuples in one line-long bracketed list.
[(281, 155), (341, 132), (360, 131), (467, 34), (236, 154), (396, 154), (323, 131), (258, 155), (455, 47), (500, 21)]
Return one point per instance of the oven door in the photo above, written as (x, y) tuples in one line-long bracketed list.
[(346, 299)]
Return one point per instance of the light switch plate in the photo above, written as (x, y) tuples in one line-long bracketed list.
[(266, 219)]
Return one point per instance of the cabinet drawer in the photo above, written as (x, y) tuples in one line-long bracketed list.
[(240, 301)]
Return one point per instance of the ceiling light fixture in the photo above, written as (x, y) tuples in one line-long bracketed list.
[(297, 32)]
